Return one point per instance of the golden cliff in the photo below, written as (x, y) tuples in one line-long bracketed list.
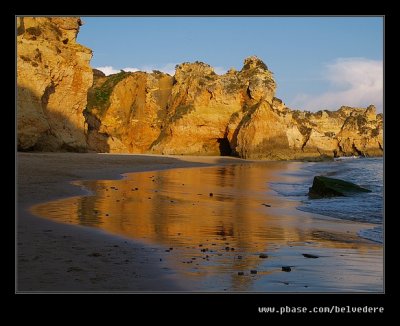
[(198, 112), (53, 77), (62, 104)]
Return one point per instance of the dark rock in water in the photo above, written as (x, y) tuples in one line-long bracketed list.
[(253, 271), (330, 187), (263, 256), (286, 268), (310, 256), (240, 273)]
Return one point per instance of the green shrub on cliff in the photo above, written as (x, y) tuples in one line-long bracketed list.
[(99, 97)]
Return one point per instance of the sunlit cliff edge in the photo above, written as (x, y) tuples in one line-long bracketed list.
[(194, 112), (53, 77)]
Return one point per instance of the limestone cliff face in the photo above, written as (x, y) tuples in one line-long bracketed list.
[(290, 134), (126, 111), (53, 77), (198, 112)]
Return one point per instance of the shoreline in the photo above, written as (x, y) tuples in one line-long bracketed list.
[(76, 251), (40, 182)]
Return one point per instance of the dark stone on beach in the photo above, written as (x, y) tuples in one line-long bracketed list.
[(232, 249), (136, 188), (286, 268), (239, 257), (240, 273), (266, 205), (310, 256), (160, 259), (263, 256), (253, 271), (329, 187), (211, 194), (227, 248), (167, 250), (107, 215), (171, 248)]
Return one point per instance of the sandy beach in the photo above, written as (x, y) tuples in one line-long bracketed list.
[(57, 257), (54, 256)]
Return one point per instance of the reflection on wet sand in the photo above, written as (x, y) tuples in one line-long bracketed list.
[(215, 222)]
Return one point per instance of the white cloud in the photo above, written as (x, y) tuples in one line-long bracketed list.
[(109, 70), (168, 68), (220, 70), (130, 69), (353, 82)]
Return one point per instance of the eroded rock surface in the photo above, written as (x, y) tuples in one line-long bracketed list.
[(197, 112), (53, 77)]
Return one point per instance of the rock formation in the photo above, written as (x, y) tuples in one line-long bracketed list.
[(197, 112), (329, 187), (194, 112), (53, 77)]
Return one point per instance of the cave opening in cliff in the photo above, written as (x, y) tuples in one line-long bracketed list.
[(224, 146)]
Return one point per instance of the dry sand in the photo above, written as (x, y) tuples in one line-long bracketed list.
[(56, 257), (59, 257)]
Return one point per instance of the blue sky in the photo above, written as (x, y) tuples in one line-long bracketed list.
[(318, 62)]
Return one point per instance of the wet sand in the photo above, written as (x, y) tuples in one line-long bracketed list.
[(54, 256)]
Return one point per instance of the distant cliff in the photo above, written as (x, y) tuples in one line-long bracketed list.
[(62, 104), (197, 112), (53, 77)]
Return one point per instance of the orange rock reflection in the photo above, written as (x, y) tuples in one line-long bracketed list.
[(213, 217)]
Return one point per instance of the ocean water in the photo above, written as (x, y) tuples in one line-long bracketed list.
[(364, 207), (208, 226)]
